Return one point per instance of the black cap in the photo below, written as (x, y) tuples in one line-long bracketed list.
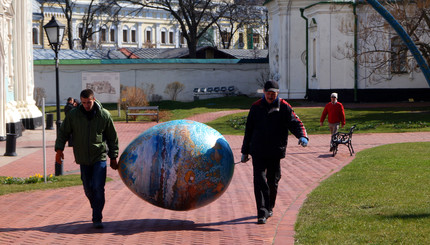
[(271, 86)]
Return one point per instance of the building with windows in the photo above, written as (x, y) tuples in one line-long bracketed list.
[(149, 28), (312, 47)]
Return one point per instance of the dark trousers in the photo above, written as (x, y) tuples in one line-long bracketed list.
[(267, 173), (94, 178)]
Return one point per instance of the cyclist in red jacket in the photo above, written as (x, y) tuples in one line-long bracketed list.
[(336, 115)]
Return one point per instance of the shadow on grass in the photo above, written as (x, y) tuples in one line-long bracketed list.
[(406, 216)]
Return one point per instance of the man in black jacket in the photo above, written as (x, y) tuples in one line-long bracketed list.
[(266, 136)]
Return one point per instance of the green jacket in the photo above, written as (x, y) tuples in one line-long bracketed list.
[(90, 136)]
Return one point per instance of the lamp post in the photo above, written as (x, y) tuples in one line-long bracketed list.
[(55, 33)]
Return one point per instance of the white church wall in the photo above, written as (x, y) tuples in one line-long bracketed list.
[(297, 47), (329, 68), (410, 80)]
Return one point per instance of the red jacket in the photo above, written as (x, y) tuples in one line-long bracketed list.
[(336, 113)]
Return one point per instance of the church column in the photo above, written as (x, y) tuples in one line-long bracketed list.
[(139, 35), (2, 87), (157, 35), (10, 122), (279, 22), (177, 36), (119, 35), (31, 116), (284, 65)]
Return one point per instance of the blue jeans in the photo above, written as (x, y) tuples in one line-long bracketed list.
[(94, 178)]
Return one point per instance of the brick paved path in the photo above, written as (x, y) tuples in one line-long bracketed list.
[(63, 216)]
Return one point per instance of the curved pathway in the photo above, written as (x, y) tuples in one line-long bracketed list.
[(63, 216)]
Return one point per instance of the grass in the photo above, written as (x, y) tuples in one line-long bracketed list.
[(368, 120), (381, 197), (384, 120), (173, 110), (60, 182)]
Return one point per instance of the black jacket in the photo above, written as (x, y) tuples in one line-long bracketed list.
[(267, 126)]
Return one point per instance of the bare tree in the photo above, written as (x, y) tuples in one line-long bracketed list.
[(67, 7), (242, 14), (194, 17), (173, 89), (103, 11), (234, 19), (381, 51)]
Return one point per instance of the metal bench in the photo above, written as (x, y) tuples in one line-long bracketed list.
[(340, 138), (147, 111), (230, 90)]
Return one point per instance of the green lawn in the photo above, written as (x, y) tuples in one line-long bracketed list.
[(57, 182), (385, 120), (368, 120), (381, 197), (172, 110)]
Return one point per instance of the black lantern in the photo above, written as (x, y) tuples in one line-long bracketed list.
[(55, 33)]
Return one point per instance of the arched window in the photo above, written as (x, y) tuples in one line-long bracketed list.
[(182, 38), (314, 57), (35, 35), (125, 32), (225, 36), (103, 34), (148, 35), (313, 28), (241, 42), (90, 33), (112, 34), (80, 31), (398, 55), (171, 37), (133, 35), (163, 35)]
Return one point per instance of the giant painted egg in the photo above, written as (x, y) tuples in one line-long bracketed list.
[(178, 165)]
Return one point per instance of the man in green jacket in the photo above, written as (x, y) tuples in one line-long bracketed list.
[(92, 128)]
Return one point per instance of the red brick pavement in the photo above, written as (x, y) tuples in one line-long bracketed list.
[(63, 216)]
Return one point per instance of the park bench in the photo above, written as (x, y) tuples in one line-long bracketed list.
[(141, 111), (340, 138)]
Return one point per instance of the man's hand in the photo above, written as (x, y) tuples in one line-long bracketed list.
[(303, 141), (321, 123), (245, 158), (59, 156), (113, 164)]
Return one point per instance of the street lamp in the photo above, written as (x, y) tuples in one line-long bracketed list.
[(55, 33)]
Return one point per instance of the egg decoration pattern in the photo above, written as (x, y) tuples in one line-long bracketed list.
[(178, 165)]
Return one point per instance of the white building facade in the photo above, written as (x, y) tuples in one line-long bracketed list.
[(149, 28), (308, 40), (17, 106)]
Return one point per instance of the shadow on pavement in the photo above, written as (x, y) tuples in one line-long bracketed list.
[(130, 227)]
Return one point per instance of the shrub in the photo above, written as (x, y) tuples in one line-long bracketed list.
[(173, 89), (132, 96)]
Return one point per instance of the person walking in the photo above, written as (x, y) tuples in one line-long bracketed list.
[(336, 115), (92, 128), (71, 103), (266, 135)]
